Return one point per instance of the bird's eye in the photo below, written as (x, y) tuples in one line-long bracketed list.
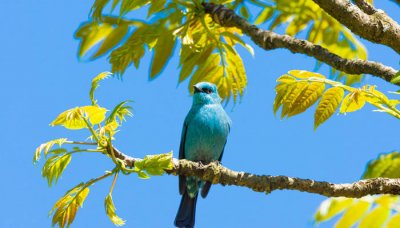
[(208, 91)]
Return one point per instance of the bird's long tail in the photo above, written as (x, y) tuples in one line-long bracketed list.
[(187, 212)]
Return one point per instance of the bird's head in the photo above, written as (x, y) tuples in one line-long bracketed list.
[(205, 93)]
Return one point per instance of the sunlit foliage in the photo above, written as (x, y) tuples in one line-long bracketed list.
[(369, 211), (298, 90), (102, 129)]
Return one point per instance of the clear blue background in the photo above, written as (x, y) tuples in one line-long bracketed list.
[(41, 77)]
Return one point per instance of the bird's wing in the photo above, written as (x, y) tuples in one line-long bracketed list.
[(207, 185), (182, 179)]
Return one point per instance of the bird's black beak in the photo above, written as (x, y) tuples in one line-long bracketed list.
[(196, 89)]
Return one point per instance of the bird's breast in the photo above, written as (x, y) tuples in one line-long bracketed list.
[(206, 134)]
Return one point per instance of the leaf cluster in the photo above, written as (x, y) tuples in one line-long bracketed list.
[(298, 90), (102, 129), (370, 211)]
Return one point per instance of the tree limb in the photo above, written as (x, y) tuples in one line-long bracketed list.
[(365, 6), (218, 174), (269, 40), (377, 27)]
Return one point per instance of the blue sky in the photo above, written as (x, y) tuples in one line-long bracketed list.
[(41, 77)]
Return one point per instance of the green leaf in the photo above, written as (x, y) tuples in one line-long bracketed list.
[(156, 6), (119, 113), (91, 34), (244, 11), (265, 14), (396, 78), (45, 147), (110, 211), (327, 105), (385, 165), (54, 167), (95, 84), (154, 165), (65, 208), (162, 52), (112, 40)]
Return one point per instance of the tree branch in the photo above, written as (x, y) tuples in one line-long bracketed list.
[(218, 174), (377, 27), (365, 6), (269, 40)]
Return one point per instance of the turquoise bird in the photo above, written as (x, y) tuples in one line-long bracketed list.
[(204, 136)]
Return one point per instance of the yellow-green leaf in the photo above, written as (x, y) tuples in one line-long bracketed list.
[(54, 167), (110, 211), (328, 104), (162, 52), (376, 218), (331, 207), (156, 6), (45, 147), (265, 14), (353, 214), (119, 113), (352, 102), (65, 208), (95, 84), (310, 94), (303, 74), (112, 39), (91, 34), (75, 118), (396, 78), (291, 97), (154, 164), (386, 165)]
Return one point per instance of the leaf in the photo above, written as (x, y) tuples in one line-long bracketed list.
[(189, 59), (97, 8), (307, 98), (396, 78), (119, 113), (353, 214), (291, 97), (156, 6), (54, 167), (352, 102), (162, 52), (376, 218), (95, 84), (394, 221), (65, 208), (327, 105), (91, 34), (283, 88), (303, 74), (244, 11), (45, 147), (265, 14), (154, 164), (385, 165), (331, 207), (112, 40), (110, 211), (74, 118)]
